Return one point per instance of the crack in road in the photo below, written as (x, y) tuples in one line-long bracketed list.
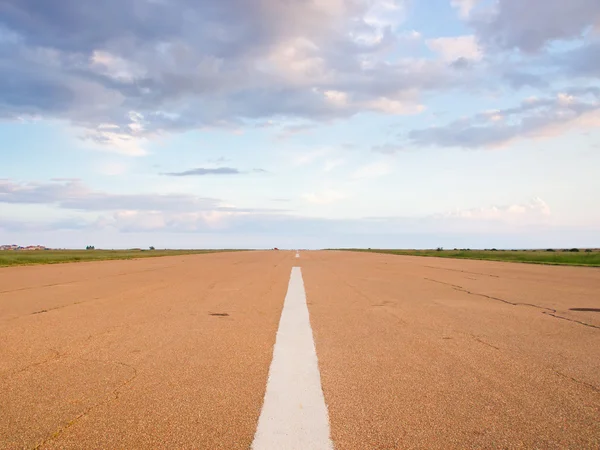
[(573, 320), (583, 383), (548, 311), (462, 289), (463, 271), (485, 343), (41, 311), (114, 396), (66, 283), (55, 355), (442, 282)]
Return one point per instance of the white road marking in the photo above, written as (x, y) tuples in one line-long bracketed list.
[(294, 415), (297, 254)]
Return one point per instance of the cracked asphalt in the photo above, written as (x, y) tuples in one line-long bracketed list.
[(174, 352)]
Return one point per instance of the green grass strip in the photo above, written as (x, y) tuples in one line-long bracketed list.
[(30, 257), (555, 257)]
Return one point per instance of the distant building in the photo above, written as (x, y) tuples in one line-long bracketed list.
[(18, 247)]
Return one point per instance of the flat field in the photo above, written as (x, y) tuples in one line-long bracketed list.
[(30, 257), (556, 257), (175, 352)]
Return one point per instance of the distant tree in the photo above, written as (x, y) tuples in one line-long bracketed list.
[(90, 247), (550, 250), (439, 249), (588, 250), (574, 250), (152, 247), (494, 249)]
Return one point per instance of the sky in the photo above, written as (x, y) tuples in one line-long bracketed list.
[(300, 123)]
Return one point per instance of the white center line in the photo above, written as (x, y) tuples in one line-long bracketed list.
[(294, 415)]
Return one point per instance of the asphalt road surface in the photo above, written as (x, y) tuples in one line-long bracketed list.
[(349, 351)]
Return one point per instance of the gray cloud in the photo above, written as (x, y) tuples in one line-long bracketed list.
[(189, 64), (461, 64), (75, 195), (21, 226), (277, 225), (532, 118), (531, 25), (192, 63), (387, 149), (582, 62), (199, 171), (518, 79)]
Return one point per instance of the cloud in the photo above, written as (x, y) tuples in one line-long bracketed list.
[(497, 226), (293, 130), (200, 171), (518, 79), (310, 156), (373, 170), (580, 62), (104, 139), (132, 70), (531, 25), (459, 48), (533, 118), (219, 160), (387, 149), (324, 198), (22, 226), (464, 6), (112, 168), (73, 194), (331, 164), (534, 211)]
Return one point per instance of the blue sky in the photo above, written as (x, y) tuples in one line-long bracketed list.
[(303, 123)]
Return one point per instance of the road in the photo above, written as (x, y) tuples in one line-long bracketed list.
[(176, 352)]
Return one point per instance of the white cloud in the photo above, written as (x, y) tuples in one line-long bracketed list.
[(324, 198), (114, 66), (454, 48), (385, 13), (532, 119), (297, 60), (112, 168), (464, 7), (331, 164), (373, 170), (310, 156), (395, 107), (337, 98), (536, 210), (115, 142)]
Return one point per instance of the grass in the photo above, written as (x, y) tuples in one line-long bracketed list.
[(557, 257), (22, 258)]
